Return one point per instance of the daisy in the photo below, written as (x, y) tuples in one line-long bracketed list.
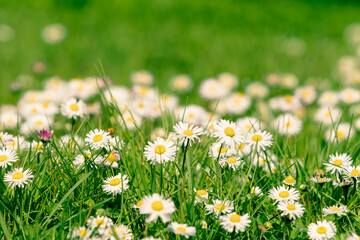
[(73, 108), (116, 185), (181, 83), (80, 159), (116, 142), (353, 236), (220, 206), (182, 229), (100, 222), (289, 180), (212, 89), (54, 33), (218, 151), (307, 94), (187, 133), (81, 232), (237, 103), (247, 124), (16, 143), (18, 177), (142, 77), (97, 139), (349, 95), (340, 210), (111, 159), (338, 162), (121, 232), (256, 191), (228, 80), (259, 139), (156, 206), (202, 194), (291, 208), (193, 114), (352, 171), (287, 124), (160, 151), (321, 230), (328, 98), (343, 131), (228, 133), (234, 222), (283, 193), (327, 115), (257, 89), (7, 156), (233, 162), (320, 179)]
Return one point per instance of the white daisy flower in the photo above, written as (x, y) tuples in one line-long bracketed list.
[(338, 163), (121, 232), (193, 114), (97, 139), (228, 133), (291, 208), (234, 222), (237, 103), (349, 95), (228, 80), (352, 171), (130, 120), (248, 124), (202, 194), (187, 133), (343, 131), (220, 206), (116, 142), (320, 179), (283, 193), (259, 140), (353, 236), (256, 191), (80, 158), (287, 124), (233, 162), (328, 98), (100, 222), (212, 89), (81, 232), (54, 33), (138, 204), (160, 151), (16, 143), (328, 115), (181, 83), (182, 229), (257, 89), (18, 177), (321, 230), (339, 210), (116, 185), (7, 156), (142, 77), (156, 206), (307, 94), (218, 151), (111, 159), (73, 108), (289, 180)]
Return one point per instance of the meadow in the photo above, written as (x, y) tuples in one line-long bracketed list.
[(179, 119)]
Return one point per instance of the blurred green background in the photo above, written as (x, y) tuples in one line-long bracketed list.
[(201, 38)]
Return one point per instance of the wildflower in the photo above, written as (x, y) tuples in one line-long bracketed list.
[(353, 236), (187, 133), (142, 77), (234, 222), (18, 177), (237, 103), (7, 157), (116, 185), (97, 139), (338, 162), (73, 108), (220, 206), (289, 180), (54, 33), (228, 80), (259, 140), (181, 83), (156, 206), (212, 89), (218, 151), (352, 171), (287, 124), (45, 135), (321, 230), (247, 124), (228, 133), (341, 132), (81, 232), (338, 210), (182, 229), (291, 208), (160, 151), (233, 162), (118, 232), (283, 193), (256, 191), (202, 194)]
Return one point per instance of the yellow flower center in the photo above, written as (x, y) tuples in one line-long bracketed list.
[(291, 207), (229, 131), (256, 138), (284, 194), (45, 104), (220, 207), (144, 91), (337, 162), (321, 230), (353, 173), (17, 176), (252, 191), (39, 123), (201, 192), (181, 229), (82, 233), (288, 99), (235, 218), (141, 105), (288, 124), (97, 138), (3, 158), (115, 181), (188, 132), (160, 149), (111, 158), (241, 146), (223, 150), (289, 180), (99, 221), (231, 160), (140, 203), (335, 209), (191, 115), (74, 107), (340, 134), (157, 205)]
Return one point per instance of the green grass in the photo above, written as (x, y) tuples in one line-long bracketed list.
[(199, 38)]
